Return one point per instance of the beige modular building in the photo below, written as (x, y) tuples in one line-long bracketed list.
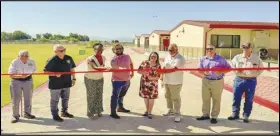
[(137, 41), (192, 36), (159, 40), (144, 41)]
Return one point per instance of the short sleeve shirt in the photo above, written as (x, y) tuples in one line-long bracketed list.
[(55, 64), (121, 61), (18, 67), (174, 78), (253, 61)]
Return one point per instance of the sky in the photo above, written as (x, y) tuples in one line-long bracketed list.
[(114, 20)]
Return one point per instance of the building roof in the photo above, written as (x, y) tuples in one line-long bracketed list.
[(145, 35), (229, 24), (161, 32), (137, 36)]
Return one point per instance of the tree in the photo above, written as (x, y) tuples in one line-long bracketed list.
[(19, 35), (38, 36), (47, 35)]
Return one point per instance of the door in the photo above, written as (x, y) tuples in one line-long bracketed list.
[(165, 44), (260, 39), (138, 42)]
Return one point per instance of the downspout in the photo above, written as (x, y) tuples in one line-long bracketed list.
[(205, 42)]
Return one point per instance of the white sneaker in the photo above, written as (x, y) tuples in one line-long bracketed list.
[(177, 118)]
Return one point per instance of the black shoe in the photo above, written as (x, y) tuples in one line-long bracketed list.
[(202, 118), (29, 116), (115, 116), (145, 114), (246, 120), (57, 118), (213, 121), (233, 117), (123, 110), (67, 115), (14, 120)]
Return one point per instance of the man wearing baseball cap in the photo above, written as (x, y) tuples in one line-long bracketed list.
[(245, 81)]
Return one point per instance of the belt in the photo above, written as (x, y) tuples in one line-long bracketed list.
[(247, 78), (23, 79), (214, 78)]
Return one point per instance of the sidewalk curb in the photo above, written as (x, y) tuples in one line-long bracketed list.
[(36, 91), (263, 102)]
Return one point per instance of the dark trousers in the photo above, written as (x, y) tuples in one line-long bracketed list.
[(55, 95), (243, 86), (119, 91)]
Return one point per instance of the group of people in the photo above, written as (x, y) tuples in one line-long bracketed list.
[(151, 72)]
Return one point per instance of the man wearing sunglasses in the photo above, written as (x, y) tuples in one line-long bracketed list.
[(22, 83), (59, 85), (212, 83), (245, 81), (173, 81), (120, 80)]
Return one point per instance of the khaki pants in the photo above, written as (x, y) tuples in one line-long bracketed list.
[(172, 95), (211, 89)]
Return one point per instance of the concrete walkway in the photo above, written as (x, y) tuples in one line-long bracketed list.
[(264, 120)]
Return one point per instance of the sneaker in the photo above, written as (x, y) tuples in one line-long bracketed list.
[(233, 117), (29, 116), (213, 121), (246, 120), (57, 118), (115, 116), (150, 116), (123, 110), (145, 114), (67, 115), (169, 113), (14, 120), (202, 118), (177, 118)]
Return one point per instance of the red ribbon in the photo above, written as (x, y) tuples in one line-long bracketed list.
[(158, 70)]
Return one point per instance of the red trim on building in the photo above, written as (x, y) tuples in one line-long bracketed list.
[(243, 26), (165, 35)]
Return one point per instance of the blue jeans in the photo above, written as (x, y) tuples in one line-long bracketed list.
[(119, 91), (240, 86)]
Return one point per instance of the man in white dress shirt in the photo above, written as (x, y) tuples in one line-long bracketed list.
[(173, 81), (22, 83)]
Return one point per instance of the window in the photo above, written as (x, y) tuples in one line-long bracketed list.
[(225, 41)]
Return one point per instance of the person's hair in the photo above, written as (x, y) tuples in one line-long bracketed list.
[(248, 44), (211, 45), (95, 46), (55, 47), (23, 53), (114, 47), (157, 61), (174, 45)]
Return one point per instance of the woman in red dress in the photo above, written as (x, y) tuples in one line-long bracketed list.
[(149, 82)]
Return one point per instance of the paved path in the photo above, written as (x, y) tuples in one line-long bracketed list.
[(267, 90), (264, 120)]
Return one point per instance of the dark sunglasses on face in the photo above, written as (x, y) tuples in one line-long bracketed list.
[(24, 56), (171, 50), (61, 50), (209, 49), (245, 47), (154, 57)]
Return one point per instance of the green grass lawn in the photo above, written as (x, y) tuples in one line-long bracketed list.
[(40, 54)]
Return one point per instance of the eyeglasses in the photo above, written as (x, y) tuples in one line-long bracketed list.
[(118, 48), (154, 57), (245, 47), (209, 49), (171, 50)]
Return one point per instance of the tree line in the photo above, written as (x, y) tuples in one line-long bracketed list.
[(19, 35)]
